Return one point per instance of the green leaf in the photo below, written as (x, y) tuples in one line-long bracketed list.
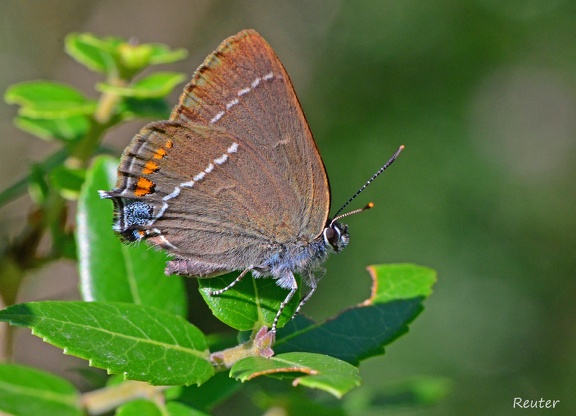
[(214, 391), (118, 57), (178, 409), (97, 54), (155, 108), (363, 331), (111, 270), (143, 343), (134, 57), (162, 54), (65, 129), (400, 281), (250, 304), (140, 407), (46, 99), (321, 371), (29, 392), (156, 85), (67, 181)]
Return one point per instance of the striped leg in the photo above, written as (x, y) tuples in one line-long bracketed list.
[(231, 285), (312, 284), (293, 285)]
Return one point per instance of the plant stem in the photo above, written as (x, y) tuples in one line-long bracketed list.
[(104, 400), (102, 120)]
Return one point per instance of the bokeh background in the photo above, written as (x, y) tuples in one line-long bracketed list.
[(483, 95)]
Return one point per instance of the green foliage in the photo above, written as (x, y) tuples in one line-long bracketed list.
[(48, 100), (250, 304), (141, 342), (362, 331), (131, 321), (155, 85), (29, 392), (115, 56), (320, 371)]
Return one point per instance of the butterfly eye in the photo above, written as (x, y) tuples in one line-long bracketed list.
[(332, 237)]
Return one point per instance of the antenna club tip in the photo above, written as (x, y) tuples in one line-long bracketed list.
[(401, 147), (370, 205)]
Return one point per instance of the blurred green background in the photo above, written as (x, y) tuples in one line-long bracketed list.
[(483, 95)]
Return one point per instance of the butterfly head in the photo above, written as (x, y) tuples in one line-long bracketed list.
[(336, 236)]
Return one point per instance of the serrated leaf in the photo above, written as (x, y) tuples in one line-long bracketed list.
[(97, 54), (111, 270), (362, 331), (29, 392), (141, 342), (156, 85), (250, 304), (47, 99), (67, 181), (321, 371), (65, 129)]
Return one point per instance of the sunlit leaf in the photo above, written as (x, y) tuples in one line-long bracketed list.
[(362, 331), (66, 129), (320, 371), (158, 84), (143, 343), (97, 54), (250, 304), (47, 99)]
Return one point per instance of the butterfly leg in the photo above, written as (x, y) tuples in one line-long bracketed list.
[(293, 286), (312, 283), (231, 285)]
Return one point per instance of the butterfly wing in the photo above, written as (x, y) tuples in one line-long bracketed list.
[(244, 89), (233, 173)]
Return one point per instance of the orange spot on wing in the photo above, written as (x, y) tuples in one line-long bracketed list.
[(160, 153), (168, 144), (143, 187), (150, 167)]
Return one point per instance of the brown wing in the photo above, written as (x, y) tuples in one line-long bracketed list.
[(234, 172), (244, 89)]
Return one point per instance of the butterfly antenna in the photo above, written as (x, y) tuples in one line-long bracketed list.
[(370, 205)]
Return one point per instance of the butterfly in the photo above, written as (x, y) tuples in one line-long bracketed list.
[(233, 180)]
